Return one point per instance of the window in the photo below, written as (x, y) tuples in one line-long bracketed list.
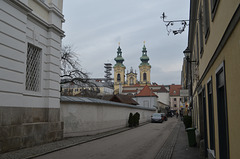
[(214, 4), (197, 41), (222, 113), (131, 81), (175, 105), (118, 77), (206, 19), (174, 99), (33, 67), (200, 31), (211, 115), (144, 76)]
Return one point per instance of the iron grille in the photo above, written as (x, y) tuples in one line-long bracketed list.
[(33, 68)]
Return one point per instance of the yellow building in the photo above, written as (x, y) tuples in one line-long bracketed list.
[(144, 68), (119, 72), (214, 73)]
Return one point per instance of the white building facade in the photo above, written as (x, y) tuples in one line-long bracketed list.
[(30, 43)]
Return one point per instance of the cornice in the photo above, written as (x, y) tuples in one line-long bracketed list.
[(19, 5), (28, 11)]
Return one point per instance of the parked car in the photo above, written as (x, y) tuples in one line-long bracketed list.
[(164, 116), (157, 118)]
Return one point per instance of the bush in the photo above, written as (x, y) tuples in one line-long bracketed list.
[(136, 118), (130, 120), (133, 120), (187, 120)]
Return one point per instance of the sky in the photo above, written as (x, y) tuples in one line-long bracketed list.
[(93, 29)]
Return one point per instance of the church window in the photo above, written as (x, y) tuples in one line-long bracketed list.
[(144, 76), (118, 77), (131, 81)]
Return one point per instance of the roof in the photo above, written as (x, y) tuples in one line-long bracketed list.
[(146, 92), (175, 90), (163, 89), (129, 91), (121, 99), (71, 99)]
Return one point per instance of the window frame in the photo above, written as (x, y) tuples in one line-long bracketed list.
[(214, 6), (222, 125), (206, 19), (211, 124), (39, 69), (118, 77)]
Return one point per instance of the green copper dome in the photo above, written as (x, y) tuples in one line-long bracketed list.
[(119, 59), (144, 58)]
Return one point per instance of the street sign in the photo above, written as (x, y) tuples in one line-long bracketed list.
[(184, 93)]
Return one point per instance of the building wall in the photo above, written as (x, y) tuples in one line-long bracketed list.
[(92, 118), (147, 102), (175, 105), (145, 69), (28, 117), (220, 50), (119, 84), (163, 97)]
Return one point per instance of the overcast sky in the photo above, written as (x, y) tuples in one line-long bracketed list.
[(94, 27)]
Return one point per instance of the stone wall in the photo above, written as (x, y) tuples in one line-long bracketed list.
[(25, 127), (87, 116)]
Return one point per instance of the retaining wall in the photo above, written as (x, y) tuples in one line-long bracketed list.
[(87, 116)]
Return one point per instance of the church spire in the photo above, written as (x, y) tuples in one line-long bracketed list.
[(144, 58), (119, 59)]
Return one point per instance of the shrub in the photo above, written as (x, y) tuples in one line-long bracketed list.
[(136, 118), (130, 120), (187, 120)]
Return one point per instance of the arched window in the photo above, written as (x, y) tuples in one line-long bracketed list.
[(131, 81), (144, 76), (118, 77)]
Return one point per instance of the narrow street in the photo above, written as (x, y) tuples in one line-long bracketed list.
[(142, 142)]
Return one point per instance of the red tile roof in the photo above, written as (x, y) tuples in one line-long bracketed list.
[(175, 90), (127, 91), (146, 92)]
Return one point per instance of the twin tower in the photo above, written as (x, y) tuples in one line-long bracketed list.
[(119, 71)]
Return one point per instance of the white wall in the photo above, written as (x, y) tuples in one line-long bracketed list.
[(148, 102), (163, 97), (20, 26), (92, 118)]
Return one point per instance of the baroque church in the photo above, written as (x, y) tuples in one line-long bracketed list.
[(131, 77)]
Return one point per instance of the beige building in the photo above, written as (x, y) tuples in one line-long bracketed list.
[(213, 75)]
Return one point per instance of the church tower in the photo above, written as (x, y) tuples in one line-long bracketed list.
[(144, 68), (119, 72), (131, 77)]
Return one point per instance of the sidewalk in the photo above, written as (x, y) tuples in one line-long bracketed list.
[(175, 147), (181, 148)]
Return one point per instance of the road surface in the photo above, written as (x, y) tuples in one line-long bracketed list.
[(143, 142)]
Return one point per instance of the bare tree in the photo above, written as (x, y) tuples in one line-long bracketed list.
[(70, 67), (71, 72)]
